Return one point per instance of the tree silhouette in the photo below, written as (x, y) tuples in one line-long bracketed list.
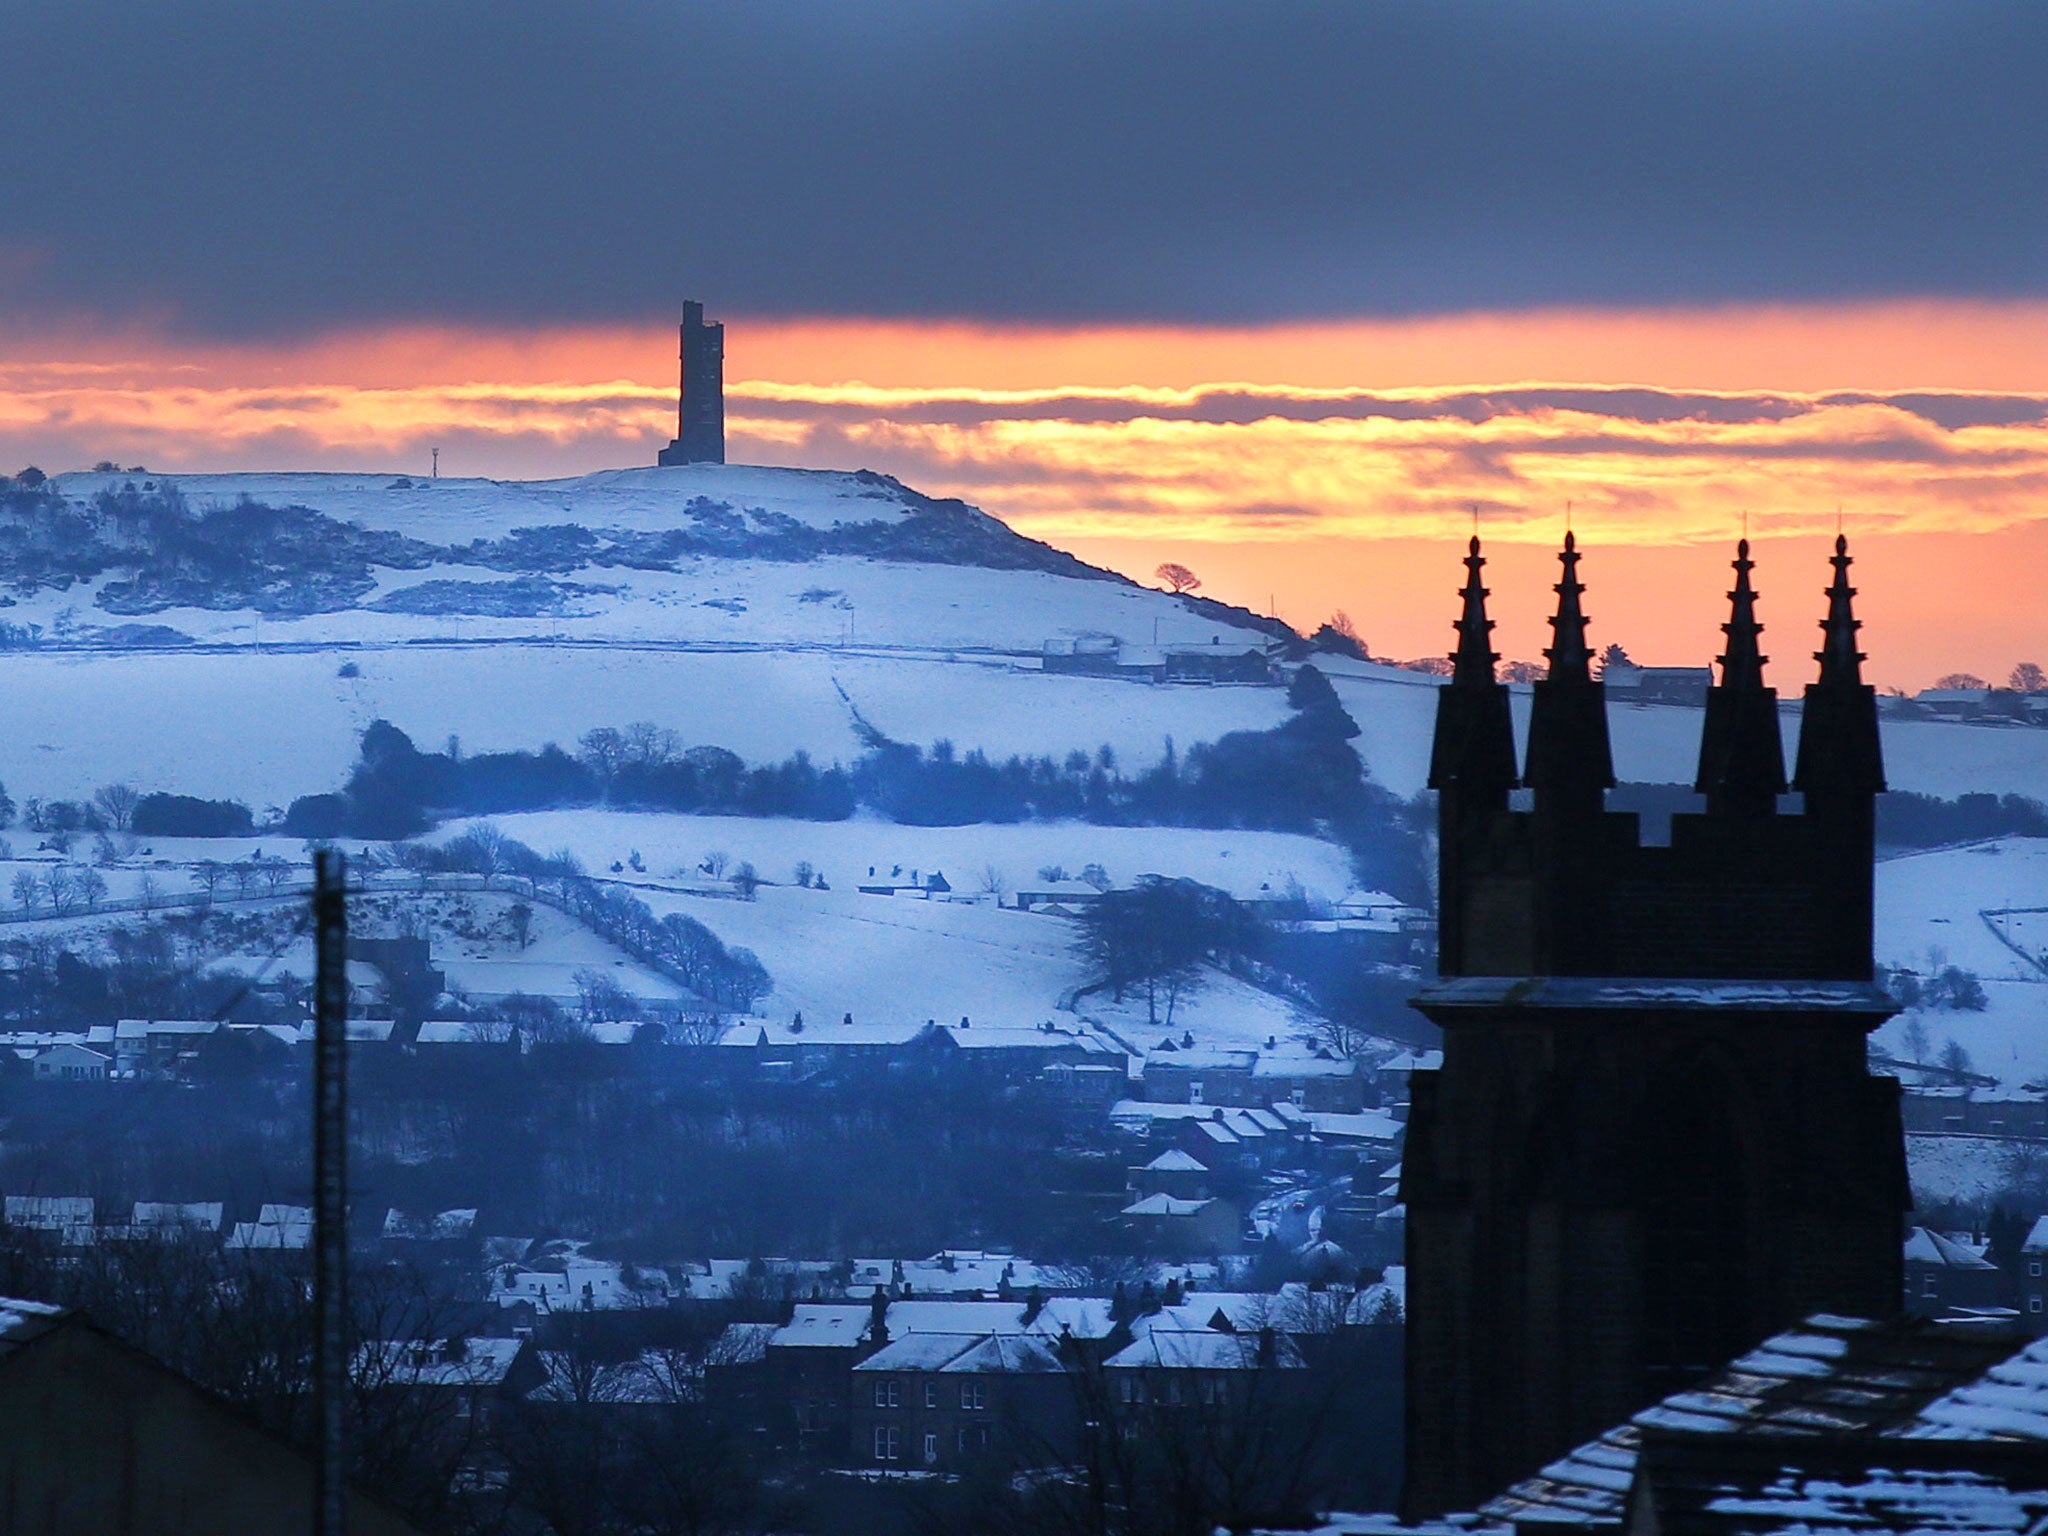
[(1178, 577)]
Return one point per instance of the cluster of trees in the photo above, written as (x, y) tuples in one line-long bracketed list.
[(1907, 820), (1300, 776), (1156, 937), (152, 970), (2027, 677), (1941, 987)]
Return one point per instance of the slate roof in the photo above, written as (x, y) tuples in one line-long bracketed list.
[(1925, 1246), (1723, 1485), (2007, 1402), (1828, 1376), (966, 1354), (1201, 1350)]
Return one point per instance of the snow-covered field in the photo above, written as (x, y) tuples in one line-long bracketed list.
[(1931, 913), (1968, 1169), (837, 951), (886, 958), (1246, 864)]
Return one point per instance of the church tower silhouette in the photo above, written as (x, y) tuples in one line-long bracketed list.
[(1654, 1138)]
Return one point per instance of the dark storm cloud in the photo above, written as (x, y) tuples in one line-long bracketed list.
[(236, 167)]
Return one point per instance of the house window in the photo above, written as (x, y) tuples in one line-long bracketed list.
[(1173, 1390), (1194, 1090), (1123, 1388), (973, 1394), (1298, 1098), (931, 1449), (2034, 1267), (2034, 1303), (1212, 1391), (888, 1442), (888, 1392), (931, 1394), (1927, 1285)]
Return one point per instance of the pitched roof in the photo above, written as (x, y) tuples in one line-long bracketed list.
[(1165, 1205), (1828, 1376), (1201, 1350), (2009, 1401), (22, 1321), (1176, 1161), (1924, 1246), (1727, 1485)]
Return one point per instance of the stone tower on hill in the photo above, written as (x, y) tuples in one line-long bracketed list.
[(1653, 1140), (700, 410)]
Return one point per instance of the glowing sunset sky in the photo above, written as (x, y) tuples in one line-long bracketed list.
[(1281, 293)]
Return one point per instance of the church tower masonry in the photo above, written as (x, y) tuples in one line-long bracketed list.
[(1654, 1139)]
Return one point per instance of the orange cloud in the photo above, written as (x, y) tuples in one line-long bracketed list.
[(1313, 466)]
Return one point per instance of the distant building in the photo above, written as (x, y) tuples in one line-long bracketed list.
[(1094, 654), (700, 409), (1627, 683), (71, 1063), (1944, 1272)]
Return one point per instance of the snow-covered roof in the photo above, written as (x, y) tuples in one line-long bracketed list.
[(429, 1225), (442, 1362), (1166, 1205), (22, 1321), (275, 1227), (1365, 1125), (1928, 1247), (1828, 1376), (204, 1215), (2009, 1401), (1085, 1317), (49, 1212), (965, 1354), (2037, 1237), (822, 1325), (1173, 1160), (1191, 1350)]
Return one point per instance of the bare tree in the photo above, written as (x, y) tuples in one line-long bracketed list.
[(2028, 677), (117, 803), (1178, 578), (28, 889), (146, 892), (92, 888), (209, 873), (994, 882), (715, 864), (62, 885)]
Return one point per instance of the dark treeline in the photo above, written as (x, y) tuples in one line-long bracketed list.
[(1300, 776)]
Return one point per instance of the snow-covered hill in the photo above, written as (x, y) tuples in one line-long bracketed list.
[(764, 610)]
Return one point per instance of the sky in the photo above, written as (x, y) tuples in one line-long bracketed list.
[(1281, 291)]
